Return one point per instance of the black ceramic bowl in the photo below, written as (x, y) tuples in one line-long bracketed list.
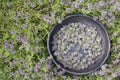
[(90, 22)]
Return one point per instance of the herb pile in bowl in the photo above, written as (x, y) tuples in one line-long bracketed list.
[(77, 46)]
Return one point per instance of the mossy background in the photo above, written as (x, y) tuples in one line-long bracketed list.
[(37, 31)]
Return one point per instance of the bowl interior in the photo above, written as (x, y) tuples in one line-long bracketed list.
[(89, 22)]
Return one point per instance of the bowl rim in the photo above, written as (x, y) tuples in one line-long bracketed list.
[(108, 51)]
